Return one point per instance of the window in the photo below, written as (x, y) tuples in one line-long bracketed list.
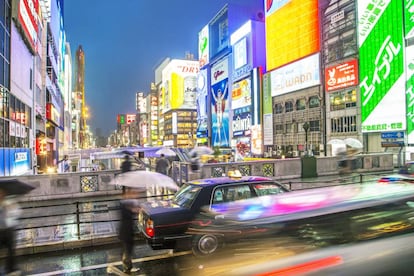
[(300, 104), (314, 102), (278, 108), (314, 126), (279, 128), (343, 124), (343, 100), (231, 193), (267, 189), (288, 106)]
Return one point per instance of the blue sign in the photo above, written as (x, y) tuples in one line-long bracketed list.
[(392, 135)]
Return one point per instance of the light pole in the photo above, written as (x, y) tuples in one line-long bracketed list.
[(306, 128)]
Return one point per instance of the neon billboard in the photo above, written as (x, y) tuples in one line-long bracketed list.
[(292, 31), (179, 79), (219, 104), (381, 48), (341, 75), (28, 18), (203, 47)]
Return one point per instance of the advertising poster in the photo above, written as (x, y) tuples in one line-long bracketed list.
[(202, 105), (242, 148), (341, 76), (241, 95), (267, 111), (179, 79), (242, 121), (220, 104), (203, 46), (410, 93), (382, 80), (257, 147), (292, 31)]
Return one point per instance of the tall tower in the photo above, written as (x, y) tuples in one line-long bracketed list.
[(80, 96)]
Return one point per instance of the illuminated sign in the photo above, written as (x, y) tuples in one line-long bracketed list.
[(410, 92), (141, 103), (409, 18), (219, 33), (52, 114), (341, 76), (241, 124), (292, 31), (241, 95), (130, 118), (202, 105), (203, 46), (219, 104), (267, 110), (295, 76), (121, 119), (256, 137), (382, 84), (28, 16), (180, 84)]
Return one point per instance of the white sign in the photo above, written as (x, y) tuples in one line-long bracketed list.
[(296, 76)]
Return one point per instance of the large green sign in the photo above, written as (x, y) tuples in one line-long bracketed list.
[(409, 18), (409, 61), (381, 48)]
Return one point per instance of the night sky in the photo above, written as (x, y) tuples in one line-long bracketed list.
[(125, 40)]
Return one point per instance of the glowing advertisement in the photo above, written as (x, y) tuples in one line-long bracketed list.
[(409, 18), (267, 110), (219, 104), (382, 82), (256, 137), (242, 122), (179, 79), (242, 148), (292, 31), (341, 76), (410, 93), (241, 94), (295, 76), (202, 104), (219, 33), (203, 46), (14, 162), (28, 16)]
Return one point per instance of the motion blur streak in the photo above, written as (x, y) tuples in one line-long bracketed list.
[(305, 267)]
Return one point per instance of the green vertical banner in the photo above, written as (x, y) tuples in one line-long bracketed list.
[(409, 70), (267, 110), (382, 80)]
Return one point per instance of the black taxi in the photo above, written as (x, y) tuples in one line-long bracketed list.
[(164, 223)]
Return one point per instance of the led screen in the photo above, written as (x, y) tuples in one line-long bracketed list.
[(292, 31), (382, 85)]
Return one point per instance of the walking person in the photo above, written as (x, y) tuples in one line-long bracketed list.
[(9, 214), (163, 165), (129, 208), (126, 165), (64, 164)]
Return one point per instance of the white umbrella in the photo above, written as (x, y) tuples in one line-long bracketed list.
[(166, 152), (201, 150), (353, 143), (144, 180)]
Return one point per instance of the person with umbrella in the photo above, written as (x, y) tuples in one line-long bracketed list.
[(162, 165), (9, 214), (129, 208)]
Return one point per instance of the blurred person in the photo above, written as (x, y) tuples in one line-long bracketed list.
[(9, 213), (162, 165), (195, 162), (64, 164), (129, 208), (126, 165)]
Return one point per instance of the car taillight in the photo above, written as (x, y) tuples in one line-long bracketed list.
[(149, 228)]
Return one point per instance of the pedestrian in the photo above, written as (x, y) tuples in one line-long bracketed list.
[(129, 208), (162, 165), (195, 162), (126, 165), (64, 164), (9, 214)]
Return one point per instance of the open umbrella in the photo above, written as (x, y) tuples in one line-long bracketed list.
[(353, 143), (166, 152), (15, 187), (201, 150), (144, 180), (336, 142)]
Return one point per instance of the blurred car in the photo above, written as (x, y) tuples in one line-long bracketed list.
[(320, 216), (395, 178), (164, 222), (408, 168)]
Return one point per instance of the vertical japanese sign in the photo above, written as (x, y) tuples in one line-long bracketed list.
[(219, 104), (267, 111), (380, 38), (409, 61)]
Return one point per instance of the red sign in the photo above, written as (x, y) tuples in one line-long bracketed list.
[(341, 76), (29, 19)]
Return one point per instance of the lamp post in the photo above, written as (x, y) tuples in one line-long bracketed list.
[(306, 128)]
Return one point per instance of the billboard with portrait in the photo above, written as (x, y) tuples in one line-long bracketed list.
[(381, 71), (292, 31), (220, 104)]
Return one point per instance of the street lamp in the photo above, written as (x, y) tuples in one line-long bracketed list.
[(306, 128)]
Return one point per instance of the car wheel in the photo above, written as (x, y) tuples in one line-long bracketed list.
[(205, 245)]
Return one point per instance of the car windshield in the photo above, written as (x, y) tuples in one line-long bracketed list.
[(186, 195)]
